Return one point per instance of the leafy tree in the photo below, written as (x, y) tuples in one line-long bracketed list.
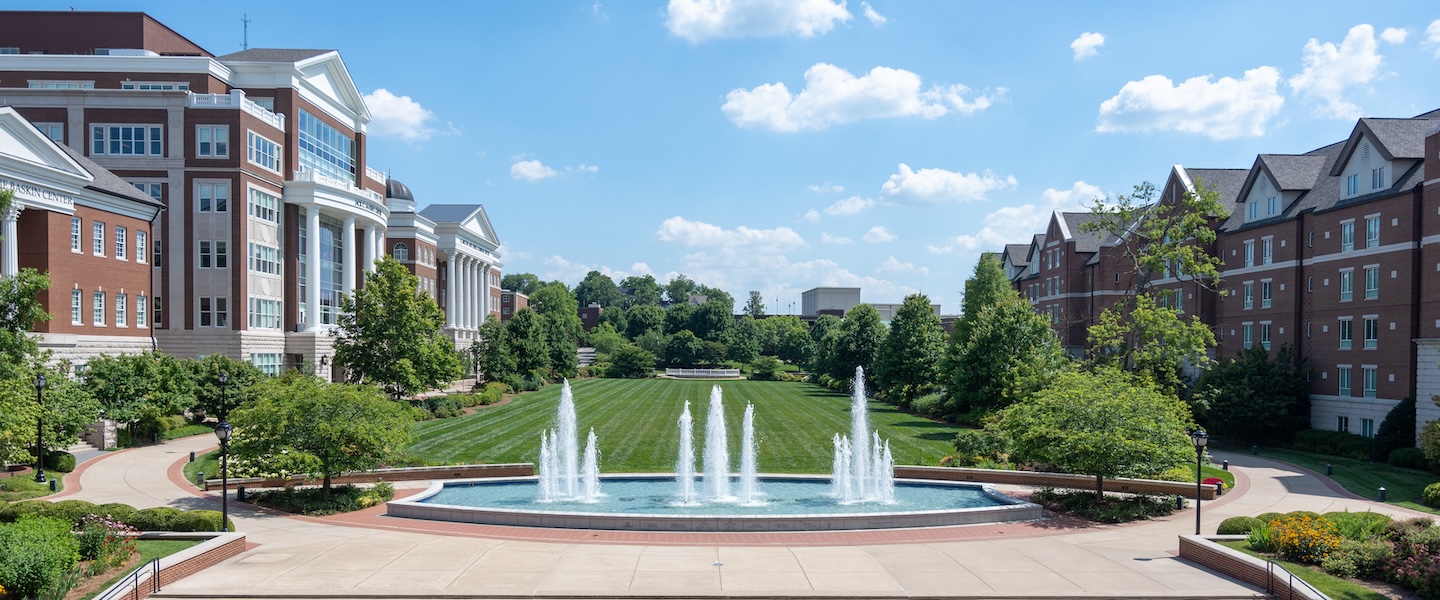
[(652, 341), (563, 345), (68, 409), (20, 297), (718, 295), (598, 288), (677, 318), (1254, 398), (643, 290), (604, 338), (323, 429), (526, 336), (1100, 423), (711, 320), (796, 347), (215, 399), (641, 318), (679, 288), (908, 362), (1139, 333), (755, 306), (616, 317), (1011, 353), (825, 333), (18, 410), (563, 330), (743, 340), (861, 334), (1396, 431), (130, 387), (684, 350), (523, 283), (766, 368), (630, 362), (493, 358), (391, 335), (986, 287)]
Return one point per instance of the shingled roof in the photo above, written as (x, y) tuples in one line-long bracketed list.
[(108, 182), (1085, 241), (1225, 182), (277, 55)]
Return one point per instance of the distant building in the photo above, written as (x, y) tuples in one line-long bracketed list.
[(887, 311), (816, 300), (511, 301), (590, 315)]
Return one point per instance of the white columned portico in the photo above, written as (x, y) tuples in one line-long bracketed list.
[(371, 242), (450, 290), (347, 256), (475, 315), (10, 266), (462, 291), (312, 269)]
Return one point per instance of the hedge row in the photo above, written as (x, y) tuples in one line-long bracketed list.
[(148, 519)]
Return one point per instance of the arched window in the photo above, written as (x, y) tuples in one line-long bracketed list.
[(402, 252)]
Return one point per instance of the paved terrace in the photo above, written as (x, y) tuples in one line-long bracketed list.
[(368, 555)]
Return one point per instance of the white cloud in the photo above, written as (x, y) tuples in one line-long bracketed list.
[(1087, 45), (697, 233), (737, 270), (1330, 70), (835, 240), (876, 18), (1432, 36), (1394, 35), (853, 205), (934, 186), (894, 265), (559, 268), (878, 235), (585, 168), (398, 116), (598, 11), (811, 216), (1016, 224), (703, 20), (826, 188), (833, 96), (1224, 109), (531, 170)]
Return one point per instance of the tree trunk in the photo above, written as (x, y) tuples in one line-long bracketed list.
[(327, 485), (1099, 488)]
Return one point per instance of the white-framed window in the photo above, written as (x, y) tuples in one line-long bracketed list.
[(1367, 427), (1253, 211), (212, 141), (1249, 294), (152, 188), (207, 254), (97, 309), (126, 140), (142, 240), (1249, 253), (1265, 335), (1372, 231), (1265, 297), (214, 255), (54, 131), (50, 84), (159, 257), (1372, 282), (141, 311), (155, 86), (1372, 332), (1347, 236), (1352, 185), (1342, 424), (1347, 285), (212, 197), (76, 318), (1248, 339), (1343, 381), (120, 234), (1267, 251), (269, 364), (264, 259), (401, 252), (262, 151), (214, 311), (159, 309), (264, 313), (1377, 178), (264, 206), (75, 225), (1368, 380), (122, 308), (1273, 204), (97, 238), (1347, 333)]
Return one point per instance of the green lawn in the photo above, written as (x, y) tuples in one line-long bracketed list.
[(148, 550), (635, 420), (208, 463), (1402, 486), (23, 487), (1332, 586)]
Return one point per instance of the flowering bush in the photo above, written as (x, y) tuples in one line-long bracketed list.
[(1214, 481), (105, 542), (1305, 538)]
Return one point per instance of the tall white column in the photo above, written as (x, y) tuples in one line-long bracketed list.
[(484, 291), (473, 270), (372, 242), (462, 290), (11, 265), (347, 257), (450, 289), (312, 268)]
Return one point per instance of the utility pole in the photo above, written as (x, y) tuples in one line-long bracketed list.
[(245, 42)]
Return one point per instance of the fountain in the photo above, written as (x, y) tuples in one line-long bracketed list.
[(565, 492)]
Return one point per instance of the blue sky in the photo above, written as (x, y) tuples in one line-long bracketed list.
[(756, 144)]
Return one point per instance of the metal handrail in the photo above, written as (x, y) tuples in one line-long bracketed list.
[(1271, 567), (131, 583)]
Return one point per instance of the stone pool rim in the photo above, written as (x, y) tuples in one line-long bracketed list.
[(1010, 509)]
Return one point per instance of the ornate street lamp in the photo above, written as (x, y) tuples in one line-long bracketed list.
[(222, 432), (1200, 439), (40, 429)]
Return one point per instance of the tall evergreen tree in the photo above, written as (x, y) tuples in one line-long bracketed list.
[(861, 334), (909, 360), (755, 306), (390, 334), (985, 287)]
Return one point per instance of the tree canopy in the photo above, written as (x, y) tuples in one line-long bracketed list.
[(643, 290), (598, 288), (1254, 398), (755, 306), (908, 363), (522, 283), (1010, 354), (391, 335)]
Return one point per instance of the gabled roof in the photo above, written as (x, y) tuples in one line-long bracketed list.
[(1394, 138), (285, 55), (1290, 172), (108, 182), (1072, 222), (25, 143), (450, 213), (323, 71), (1227, 183), (1018, 254)]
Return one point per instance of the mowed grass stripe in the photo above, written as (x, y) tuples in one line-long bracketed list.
[(636, 423)]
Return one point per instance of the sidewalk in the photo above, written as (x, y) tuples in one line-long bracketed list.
[(305, 557)]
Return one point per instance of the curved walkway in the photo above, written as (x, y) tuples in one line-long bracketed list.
[(346, 558)]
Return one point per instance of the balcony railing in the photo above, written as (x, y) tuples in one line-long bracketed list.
[(375, 175), (369, 200), (237, 99)]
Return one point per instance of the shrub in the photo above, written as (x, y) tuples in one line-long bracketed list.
[(1109, 510), (1398, 531), (1396, 432), (1301, 537), (59, 461), (442, 407), (73, 511), (1238, 525), (1262, 537), (1409, 458), (116, 511), (34, 552), (1359, 560), (197, 520), (14, 511), (975, 445), (1431, 495), (378, 494), (1333, 443), (1420, 573), (313, 501), (494, 392), (1269, 516), (1305, 513), (932, 405), (105, 542), (154, 519), (1360, 526)]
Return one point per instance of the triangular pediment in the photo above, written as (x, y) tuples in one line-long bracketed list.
[(478, 225), (21, 141), (327, 74)]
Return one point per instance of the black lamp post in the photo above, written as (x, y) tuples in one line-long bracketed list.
[(1200, 439), (222, 432), (40, 429)]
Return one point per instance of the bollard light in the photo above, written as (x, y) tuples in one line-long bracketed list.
[(1225, 464), (1329, 469), (192, 456), (1382, 494), (1254, 450), (200, 479)]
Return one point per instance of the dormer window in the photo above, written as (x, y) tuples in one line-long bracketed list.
[(1274, 205), (1352, 185), (1254, 211), (1377, 179)]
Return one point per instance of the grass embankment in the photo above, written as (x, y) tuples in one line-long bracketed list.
[(1332, 586), (23, 487), (635, 421), (1402, 486), (146, 550), (208, 463)]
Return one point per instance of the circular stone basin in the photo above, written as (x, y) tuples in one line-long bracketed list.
[(649, 503)]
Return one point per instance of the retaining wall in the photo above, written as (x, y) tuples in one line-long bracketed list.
[(398, 474), (1060, 480), (216, 547)]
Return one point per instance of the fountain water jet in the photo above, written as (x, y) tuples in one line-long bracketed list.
[(685, 463), (559, 463), (569, 444), (863, 468), (717, 451), (749, 484), (590, 471)]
